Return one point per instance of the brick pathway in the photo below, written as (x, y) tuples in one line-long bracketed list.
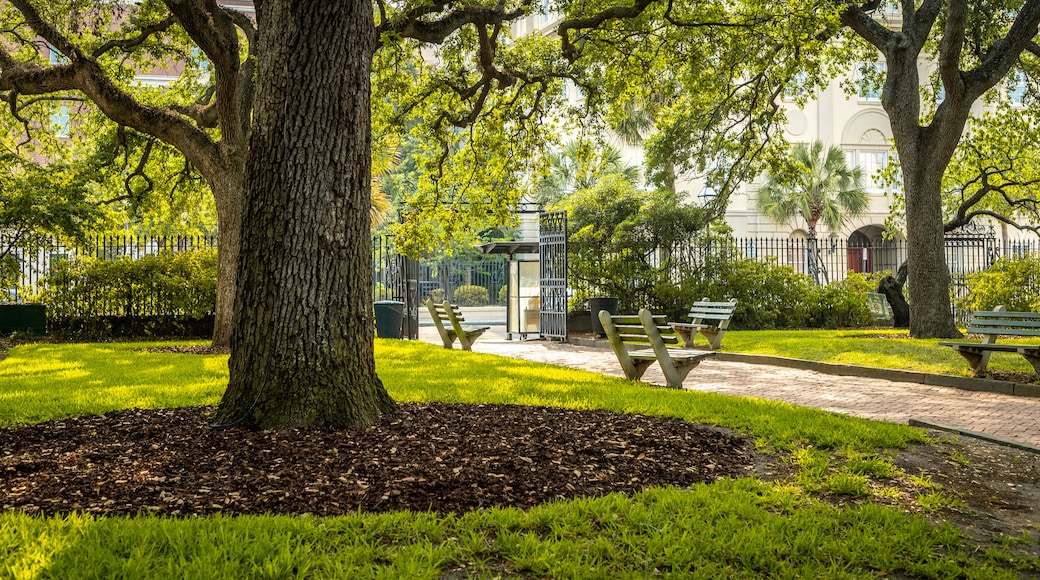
[(1004, 416)]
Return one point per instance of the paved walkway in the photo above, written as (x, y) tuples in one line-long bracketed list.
[(1003, 416)]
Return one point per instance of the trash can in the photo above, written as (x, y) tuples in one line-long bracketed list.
[(389, 318), (608, 303), (23, 317)]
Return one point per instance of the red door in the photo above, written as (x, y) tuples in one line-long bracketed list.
[(859, 255)]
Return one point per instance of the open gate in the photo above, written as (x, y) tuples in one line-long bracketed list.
[(552, 259), (395, 277)]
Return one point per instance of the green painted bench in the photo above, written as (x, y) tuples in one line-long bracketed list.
[(451, 325), (700, 314), (640, 340), (999, 322)]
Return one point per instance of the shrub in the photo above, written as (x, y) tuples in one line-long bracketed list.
[(841, 304), (503, 294), (164, 285), (471, 296), (1012, 282), (437, 295), (768, 295)]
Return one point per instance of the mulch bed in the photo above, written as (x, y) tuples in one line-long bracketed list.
[(438, 457)]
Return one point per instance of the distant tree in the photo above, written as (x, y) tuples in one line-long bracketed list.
[(818, 186), (620, 239), (580, 165)]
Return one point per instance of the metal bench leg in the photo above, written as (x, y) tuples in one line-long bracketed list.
[(977, 360), (1033, 360), (714, 337)]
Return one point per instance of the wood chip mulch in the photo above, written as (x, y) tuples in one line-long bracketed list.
[(438, 457)]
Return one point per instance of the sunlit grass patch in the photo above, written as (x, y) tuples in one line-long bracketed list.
[(732, 528), (879, 348)]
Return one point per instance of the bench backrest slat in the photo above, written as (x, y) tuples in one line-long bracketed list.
[(706, 309), (1006, 315), (1000, 321), (630, 330)]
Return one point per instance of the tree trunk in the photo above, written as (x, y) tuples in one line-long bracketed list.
[(227, 193), (302, 339), (924, 153), (931, 314)]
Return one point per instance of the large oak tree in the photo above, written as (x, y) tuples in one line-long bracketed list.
[(283, 133), (971, 44)]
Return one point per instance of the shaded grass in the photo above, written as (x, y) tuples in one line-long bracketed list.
[(734, 528), (862, 347)]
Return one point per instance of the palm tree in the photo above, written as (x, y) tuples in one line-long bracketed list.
[(384, 159), (580, 165), (819, 187)]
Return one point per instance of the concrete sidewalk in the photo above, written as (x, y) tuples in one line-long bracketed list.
[(1000, 416)]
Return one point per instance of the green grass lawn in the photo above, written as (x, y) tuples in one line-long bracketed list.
[(732, 528), (896, 350)]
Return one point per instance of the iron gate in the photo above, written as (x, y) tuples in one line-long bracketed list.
[(552, 259), (395, 277), (970, 248)]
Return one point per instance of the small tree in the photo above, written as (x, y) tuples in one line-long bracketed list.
[(819, 186), (621, 239)]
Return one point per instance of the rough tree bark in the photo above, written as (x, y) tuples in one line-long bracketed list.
[(302, 342)]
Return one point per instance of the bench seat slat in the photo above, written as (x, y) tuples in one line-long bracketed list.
[(979, 346)]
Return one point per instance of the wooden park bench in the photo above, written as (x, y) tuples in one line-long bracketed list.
[(638, 341), (993, 323), (450, 325), (703, 311)]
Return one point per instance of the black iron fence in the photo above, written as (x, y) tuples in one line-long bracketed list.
[(481, 281), (467, 282), (34, 261)]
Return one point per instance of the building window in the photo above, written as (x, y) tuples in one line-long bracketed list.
[(60, 120), (871, 163), (55, 57), (795, 87), (871, 80), (1016, 89)]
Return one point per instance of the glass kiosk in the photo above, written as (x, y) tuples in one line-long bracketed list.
[(523, 303), (522, 315)]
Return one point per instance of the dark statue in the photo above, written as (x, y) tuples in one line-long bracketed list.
[(892, 288)]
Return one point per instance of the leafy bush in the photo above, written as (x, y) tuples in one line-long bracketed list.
[(503, 294), (842, 304), (471, 296), (166, 284), (769, 296), (1012, 282), (437, 295), (615, 240)]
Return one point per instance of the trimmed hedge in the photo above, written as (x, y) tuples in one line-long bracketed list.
[(471, 296), (163, 294)]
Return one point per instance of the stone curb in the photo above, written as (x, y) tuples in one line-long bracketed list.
[(931, 379), (975, 434)]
